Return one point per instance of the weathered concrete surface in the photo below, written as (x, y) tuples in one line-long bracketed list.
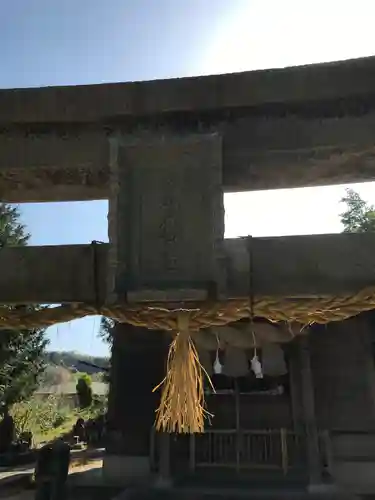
[(89, 103), (166, 218), (53, 274), (53, 167), (293, 127), (283, 266), (259, 152)]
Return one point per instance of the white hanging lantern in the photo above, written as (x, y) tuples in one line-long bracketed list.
[(256, 366), (255, 363), (218, 367)]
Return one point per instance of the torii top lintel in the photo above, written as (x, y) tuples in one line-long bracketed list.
[(292, 127), (100, 102)]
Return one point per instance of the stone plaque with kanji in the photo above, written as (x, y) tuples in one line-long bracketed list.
[(166, 218)]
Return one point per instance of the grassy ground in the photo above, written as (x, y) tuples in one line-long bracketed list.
[(41, 436), (50, 418)]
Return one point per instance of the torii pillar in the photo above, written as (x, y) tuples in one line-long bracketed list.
[(166, 228), (137, 366)]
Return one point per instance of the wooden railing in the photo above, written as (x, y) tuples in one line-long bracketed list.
[(273, 449), (249, 449)]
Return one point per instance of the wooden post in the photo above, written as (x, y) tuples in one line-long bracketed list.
[(309, 417), (192, 452), (137, 366), (284, 450), (153, 462), (294, 369), (164, 475), (238, 425)]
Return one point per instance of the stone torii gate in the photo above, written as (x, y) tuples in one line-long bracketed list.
[(163, 153)]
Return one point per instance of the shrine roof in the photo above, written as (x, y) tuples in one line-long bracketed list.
[(100, 102)]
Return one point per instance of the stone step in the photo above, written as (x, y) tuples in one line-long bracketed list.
[(230, 494)]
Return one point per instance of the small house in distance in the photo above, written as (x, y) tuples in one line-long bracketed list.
[(67, 392)]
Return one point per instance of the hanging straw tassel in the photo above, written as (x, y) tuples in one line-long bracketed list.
[(182, 401)]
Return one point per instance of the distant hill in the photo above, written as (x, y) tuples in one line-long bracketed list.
[(62, 368), (74, 361)]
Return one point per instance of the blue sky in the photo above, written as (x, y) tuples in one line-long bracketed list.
[(67, 42)]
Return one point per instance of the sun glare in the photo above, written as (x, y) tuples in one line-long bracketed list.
[(261, 34)]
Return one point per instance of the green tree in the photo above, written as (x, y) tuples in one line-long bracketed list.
[(359, 217), (105, 330), (84, 391), (84, 376), (21, 352)]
